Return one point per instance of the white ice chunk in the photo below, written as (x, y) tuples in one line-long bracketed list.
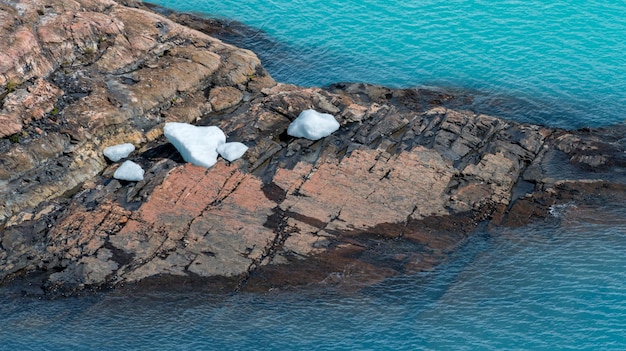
[(313, 125), (232, 151), (129, 171), (197, 145), (118, 152)]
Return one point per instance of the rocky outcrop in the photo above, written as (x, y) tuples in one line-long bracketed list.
[(585, 166), (78, 76), (407, 178)]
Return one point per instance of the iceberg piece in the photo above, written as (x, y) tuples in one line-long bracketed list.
[(232, 151), (118, 152), (313, 125), (129, 171), (197, 145)]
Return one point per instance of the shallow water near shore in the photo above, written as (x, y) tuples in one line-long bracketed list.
[(558, 285), (559, 63), (554, 285)]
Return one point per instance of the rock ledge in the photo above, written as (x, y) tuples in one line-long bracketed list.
[(407, 178)]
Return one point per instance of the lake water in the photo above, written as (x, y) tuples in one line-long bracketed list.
[(559, 285), (554, 285), (560, 63)]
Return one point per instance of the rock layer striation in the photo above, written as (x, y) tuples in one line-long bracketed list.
[(405, 180), (78, 76)]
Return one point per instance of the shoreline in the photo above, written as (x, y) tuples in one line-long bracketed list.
[(408, 178), (521, 105)]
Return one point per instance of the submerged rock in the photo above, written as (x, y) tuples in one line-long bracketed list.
[(404, 181)]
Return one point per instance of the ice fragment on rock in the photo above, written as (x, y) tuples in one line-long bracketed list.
[(118, 152), (129, 171), (313, 125), (232, 151), (197, 145)]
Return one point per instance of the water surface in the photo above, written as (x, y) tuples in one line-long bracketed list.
[(554, 285), (559, 285), (559, 63)]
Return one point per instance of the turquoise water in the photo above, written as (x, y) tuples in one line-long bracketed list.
[(560, 285), (560, 63)]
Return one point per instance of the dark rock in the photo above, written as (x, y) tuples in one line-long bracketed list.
[(408, 177)]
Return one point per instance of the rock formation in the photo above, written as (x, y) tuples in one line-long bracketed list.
[(80, 76), (407, 178)]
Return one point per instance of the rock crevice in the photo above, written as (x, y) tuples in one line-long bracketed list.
[(406, 179)]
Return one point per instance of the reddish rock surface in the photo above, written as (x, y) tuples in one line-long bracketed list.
[(407, 178), (78, 76)]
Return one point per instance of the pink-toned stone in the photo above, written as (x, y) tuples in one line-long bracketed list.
[(9, 125), (399, 186), (213, 217), (34, 102), (290, 180), (222, 98), (22, 58), (185, 193), (363, 190), (130, 66)]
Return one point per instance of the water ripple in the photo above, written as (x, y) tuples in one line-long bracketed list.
[(566, 59)]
